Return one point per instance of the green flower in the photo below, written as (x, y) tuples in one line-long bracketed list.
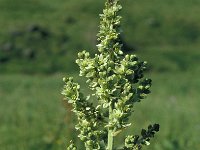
[(117, 82)]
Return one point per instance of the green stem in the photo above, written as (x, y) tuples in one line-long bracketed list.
[(110, 132)]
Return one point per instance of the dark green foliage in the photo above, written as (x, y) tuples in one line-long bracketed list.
[(165, 26), (136, 142)]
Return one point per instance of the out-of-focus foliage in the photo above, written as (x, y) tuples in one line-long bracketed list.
[(44, 36)]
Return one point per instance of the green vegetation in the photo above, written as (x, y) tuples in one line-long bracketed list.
[(72, 25), (166, 34), (33, 115), (117, 83)]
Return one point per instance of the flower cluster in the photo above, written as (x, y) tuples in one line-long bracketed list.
[(135, 142), (89, 118), (116, 81)]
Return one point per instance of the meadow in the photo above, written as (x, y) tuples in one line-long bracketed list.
[(33, 114)]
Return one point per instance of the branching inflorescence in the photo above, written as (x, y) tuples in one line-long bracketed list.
[(117, 83)]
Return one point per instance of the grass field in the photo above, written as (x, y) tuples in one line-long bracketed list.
[(33, 115), (72, 26)]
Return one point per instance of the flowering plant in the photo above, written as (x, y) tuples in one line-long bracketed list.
[(117, 83)]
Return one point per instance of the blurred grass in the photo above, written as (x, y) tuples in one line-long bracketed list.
[(32, 113), (73, 25), (30, 117)]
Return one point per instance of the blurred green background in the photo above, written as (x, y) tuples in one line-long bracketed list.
[(39, 41)]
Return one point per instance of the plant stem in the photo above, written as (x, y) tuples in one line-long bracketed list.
[(110, 135)]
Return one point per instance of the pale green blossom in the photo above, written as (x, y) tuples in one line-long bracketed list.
[(117, 82)]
